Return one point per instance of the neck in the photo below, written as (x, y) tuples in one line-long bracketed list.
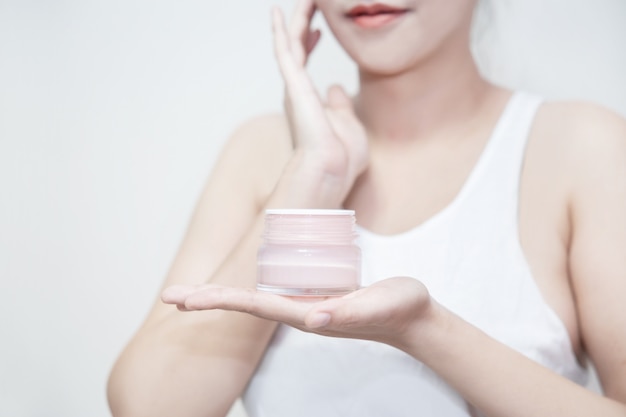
[(439, 93)]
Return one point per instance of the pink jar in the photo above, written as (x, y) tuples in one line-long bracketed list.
[(309, 252)]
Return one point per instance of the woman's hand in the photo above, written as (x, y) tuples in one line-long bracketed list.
[(325, 132), (389, 311)]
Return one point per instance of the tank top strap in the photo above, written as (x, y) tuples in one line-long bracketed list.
[(498, 175)]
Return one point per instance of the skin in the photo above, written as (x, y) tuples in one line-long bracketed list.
[(422, 116)]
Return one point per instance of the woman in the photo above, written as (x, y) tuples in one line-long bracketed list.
[(492, 231)]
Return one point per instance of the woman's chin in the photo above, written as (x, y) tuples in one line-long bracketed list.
[(382, 67)]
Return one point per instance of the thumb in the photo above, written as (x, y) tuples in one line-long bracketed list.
[(331, 313), (338, 99)]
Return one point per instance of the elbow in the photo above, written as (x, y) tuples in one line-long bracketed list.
[(118, 396), (124, 394)]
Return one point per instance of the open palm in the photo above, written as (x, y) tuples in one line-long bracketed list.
[(383, 311)]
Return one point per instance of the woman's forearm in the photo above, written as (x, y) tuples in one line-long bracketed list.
[(197, 364), (192, 364), (187, 365), (496, 379)]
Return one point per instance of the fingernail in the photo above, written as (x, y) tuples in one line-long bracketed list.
[(319, 320)]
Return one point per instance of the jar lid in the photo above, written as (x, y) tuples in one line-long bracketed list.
[(311, 212)]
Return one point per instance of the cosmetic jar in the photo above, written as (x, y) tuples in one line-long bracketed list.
[(309, 252)]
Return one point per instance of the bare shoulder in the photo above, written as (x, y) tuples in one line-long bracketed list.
[(582, 126), (258, 150), (263, 128), (582, 138), (267, 134)]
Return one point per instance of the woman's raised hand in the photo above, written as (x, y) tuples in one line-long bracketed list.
[(325, 131)]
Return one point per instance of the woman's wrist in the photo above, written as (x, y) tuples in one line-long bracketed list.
[(312, 181), (424, 337)]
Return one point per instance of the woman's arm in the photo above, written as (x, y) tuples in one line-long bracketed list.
[(597, 259), (198, 364)]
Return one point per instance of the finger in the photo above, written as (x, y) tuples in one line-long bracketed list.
[(299, 86), (281, 41), (330, 314), (246, 300), (301, 18), (299, 29), (176, 294), (236, 299), (340, 112), (283, 52), (338, 99), (181, 307)]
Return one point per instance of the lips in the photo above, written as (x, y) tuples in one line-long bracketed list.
[(376, 15)]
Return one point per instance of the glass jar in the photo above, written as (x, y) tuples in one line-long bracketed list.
[(309, 252)]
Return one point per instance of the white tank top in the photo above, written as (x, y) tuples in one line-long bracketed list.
[(469, 257)]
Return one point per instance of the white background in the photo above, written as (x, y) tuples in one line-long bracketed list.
[(111, 115)]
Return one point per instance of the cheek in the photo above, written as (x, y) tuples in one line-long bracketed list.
[(323, 6), (442, 19)]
